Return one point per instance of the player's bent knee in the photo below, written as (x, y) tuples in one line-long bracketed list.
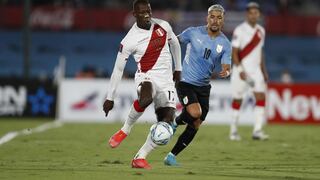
[(195, 112), (185, 118), (145, 95), (165, 114), (145, 101)]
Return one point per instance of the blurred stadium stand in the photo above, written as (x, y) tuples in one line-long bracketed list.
[(88, 33)]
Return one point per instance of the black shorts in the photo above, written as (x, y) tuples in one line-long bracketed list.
[(189, 94)]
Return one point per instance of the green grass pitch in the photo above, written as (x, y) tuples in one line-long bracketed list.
[(80, 151)]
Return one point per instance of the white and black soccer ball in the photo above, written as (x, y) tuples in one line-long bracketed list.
[(161, 133)]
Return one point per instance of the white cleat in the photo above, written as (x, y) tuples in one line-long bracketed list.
[(260, 135), (235, 137)]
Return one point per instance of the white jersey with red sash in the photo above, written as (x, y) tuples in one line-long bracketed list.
[(149, 48), (250, 41), (151, 51)]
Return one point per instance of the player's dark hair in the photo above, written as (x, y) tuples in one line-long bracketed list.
[(252, 5), (136, 2)]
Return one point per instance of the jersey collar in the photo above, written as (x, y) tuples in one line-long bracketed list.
[(144, 30), (255, 26)]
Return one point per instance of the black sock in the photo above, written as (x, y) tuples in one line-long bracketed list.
[(184, 118), (184, 139)]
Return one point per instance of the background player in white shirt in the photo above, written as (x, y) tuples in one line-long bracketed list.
[(148, 41), (249, 70)]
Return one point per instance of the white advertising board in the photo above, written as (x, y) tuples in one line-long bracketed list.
[(82, 100)]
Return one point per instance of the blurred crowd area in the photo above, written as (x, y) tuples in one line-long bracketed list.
[(83, 32), (301, 7)]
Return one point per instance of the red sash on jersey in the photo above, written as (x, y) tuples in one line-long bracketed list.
[(251, 45), (156, 43)]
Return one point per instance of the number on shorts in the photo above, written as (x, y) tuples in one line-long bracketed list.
[(171, 95)]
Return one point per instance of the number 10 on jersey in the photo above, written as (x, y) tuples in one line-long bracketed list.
[(207, 53)]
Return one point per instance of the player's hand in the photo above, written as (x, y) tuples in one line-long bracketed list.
[(226, 70), (243, 75), (177, 76), (224, 73), (107, 106)]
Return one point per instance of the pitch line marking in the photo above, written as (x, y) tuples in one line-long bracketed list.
[(13, 134)]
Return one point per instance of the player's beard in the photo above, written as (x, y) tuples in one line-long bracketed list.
[(214, 29)]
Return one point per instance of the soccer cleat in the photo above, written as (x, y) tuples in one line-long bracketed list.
[(117, 138), (235, 137), (170, 160), (260, 135), (140, 163)]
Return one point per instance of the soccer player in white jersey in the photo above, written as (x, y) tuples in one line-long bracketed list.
[(148, 41), (249, 71)]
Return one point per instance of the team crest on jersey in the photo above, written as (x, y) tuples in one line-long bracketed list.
[(219, 48), (185, 100), (160, 32)]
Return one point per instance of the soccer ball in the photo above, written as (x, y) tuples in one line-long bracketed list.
[(161, 133)]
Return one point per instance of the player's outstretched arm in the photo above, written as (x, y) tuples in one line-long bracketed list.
[(114, 82)]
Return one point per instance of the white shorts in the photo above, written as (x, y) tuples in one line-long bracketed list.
[(163, 89), (239, 86)]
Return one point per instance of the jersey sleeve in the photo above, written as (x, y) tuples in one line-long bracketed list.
[(185, 36), (264, 36), (226, 56), (174, 45), (116, 76), (169, 30), (125, 50), (176, 52), (236, 38)]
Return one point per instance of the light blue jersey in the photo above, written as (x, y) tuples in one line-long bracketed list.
[(203, 55)]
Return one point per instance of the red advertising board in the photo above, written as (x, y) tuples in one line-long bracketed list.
[(295, 103), (293, 25), (70, 18), (65, 18)]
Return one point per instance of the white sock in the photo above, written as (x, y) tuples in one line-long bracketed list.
[(235, 119), (259, 113), (132, 118), (148, 146)]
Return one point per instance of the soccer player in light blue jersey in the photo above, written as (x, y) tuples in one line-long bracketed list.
[(207, 47)]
